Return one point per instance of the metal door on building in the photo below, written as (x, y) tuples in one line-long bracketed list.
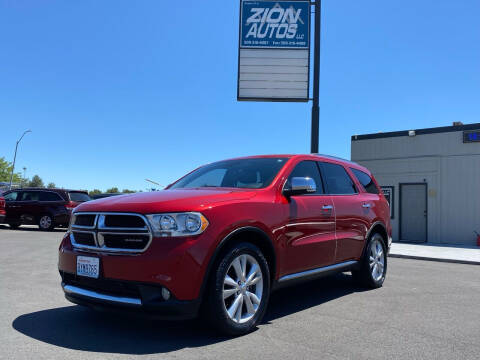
[(413, 212)]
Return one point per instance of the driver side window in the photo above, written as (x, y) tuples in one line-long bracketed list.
[(309, 169), (11, 196)]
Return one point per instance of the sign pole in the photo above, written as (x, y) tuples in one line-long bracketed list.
[(316, 79)]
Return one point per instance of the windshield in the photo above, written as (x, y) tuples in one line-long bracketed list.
[(79, 196), (253, 173)]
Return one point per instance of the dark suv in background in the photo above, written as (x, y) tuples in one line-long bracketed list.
[(46, 208)]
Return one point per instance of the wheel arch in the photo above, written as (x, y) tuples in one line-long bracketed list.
[(251, 234), (377, 227)]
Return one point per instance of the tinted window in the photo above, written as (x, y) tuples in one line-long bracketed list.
[(29, 196), (366, 181), (49, 196), (251, 173), (337, 180), (308, 169), (79, 196), (11, 196)]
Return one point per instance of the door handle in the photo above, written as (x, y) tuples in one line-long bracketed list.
[(366, 205), (327, 207)]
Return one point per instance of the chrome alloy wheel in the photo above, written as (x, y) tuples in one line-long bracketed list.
[(242, 288), (376, 259), (45, 222)]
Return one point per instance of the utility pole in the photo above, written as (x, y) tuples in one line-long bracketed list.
[(15, 158), (24, 175), (316, 78)]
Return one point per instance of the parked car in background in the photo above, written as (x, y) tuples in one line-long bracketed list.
[(2, 209), (46, 208), (104, 195), (218, 240)]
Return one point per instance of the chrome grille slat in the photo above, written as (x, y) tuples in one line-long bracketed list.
[(99, 230)]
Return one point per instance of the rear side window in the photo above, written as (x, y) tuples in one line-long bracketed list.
[(79, 196), (309, 169), (29, 196), (11, 196), (366, 181), (50, 196), (337, 180)]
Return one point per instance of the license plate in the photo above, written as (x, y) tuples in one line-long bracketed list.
[(88, 266)]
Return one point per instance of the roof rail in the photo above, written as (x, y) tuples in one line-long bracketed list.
[(336, 158)]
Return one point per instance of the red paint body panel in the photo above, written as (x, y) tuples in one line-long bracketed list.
[(303, 235)]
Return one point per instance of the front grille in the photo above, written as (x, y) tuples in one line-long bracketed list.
[(84, 238), (124, 221), (85, 220), (111, 232), (126, 241)]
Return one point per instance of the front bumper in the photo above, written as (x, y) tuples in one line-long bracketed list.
[(2, 218), (177, 264), (113, 295)]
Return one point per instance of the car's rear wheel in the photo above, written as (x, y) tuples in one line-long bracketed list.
[(239, 290), (45, 222), (373, 266)]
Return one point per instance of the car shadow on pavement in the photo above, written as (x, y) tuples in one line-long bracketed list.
[(79, 328)]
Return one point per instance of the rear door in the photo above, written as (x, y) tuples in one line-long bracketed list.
[(51, 203), (28, 206), (351, 224), (310, 229)]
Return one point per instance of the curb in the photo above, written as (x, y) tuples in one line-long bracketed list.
[(425, 258)]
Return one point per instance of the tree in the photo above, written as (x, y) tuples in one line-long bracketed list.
[(94, 192), (112, 190), (6, 170), (127, 191), (36, 182), (51, 185)]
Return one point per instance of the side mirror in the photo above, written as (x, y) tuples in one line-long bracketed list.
[(299, 186)]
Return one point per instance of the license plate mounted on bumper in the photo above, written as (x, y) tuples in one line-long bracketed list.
[(88, 266)]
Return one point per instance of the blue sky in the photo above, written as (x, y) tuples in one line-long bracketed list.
[(119, 91)]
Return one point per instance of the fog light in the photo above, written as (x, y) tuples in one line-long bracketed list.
[(165, 294)]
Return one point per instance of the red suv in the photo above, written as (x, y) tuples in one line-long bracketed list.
[(220, 239)]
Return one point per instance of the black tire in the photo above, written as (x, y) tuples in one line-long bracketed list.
[(14, 226), (214, 309), (364, 276), (45, 222)]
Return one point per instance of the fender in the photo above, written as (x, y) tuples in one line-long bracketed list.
[(369, 232), (221, 246)]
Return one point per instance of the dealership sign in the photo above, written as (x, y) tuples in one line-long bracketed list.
[(274, 50)]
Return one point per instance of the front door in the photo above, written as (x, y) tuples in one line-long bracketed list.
[(310, 229), (413, 212), (11, 207)]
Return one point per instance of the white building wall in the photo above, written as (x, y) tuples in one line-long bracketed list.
[(451, 170)]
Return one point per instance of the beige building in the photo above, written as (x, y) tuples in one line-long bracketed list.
[(432, 177)]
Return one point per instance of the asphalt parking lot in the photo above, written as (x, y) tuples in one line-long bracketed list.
[(426, 310)]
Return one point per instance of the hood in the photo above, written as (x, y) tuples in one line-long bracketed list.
[(166, 200)]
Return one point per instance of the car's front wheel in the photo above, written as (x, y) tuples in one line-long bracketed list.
[(239, 290)]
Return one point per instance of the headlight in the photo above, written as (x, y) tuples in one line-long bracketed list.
[(177, 224)]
